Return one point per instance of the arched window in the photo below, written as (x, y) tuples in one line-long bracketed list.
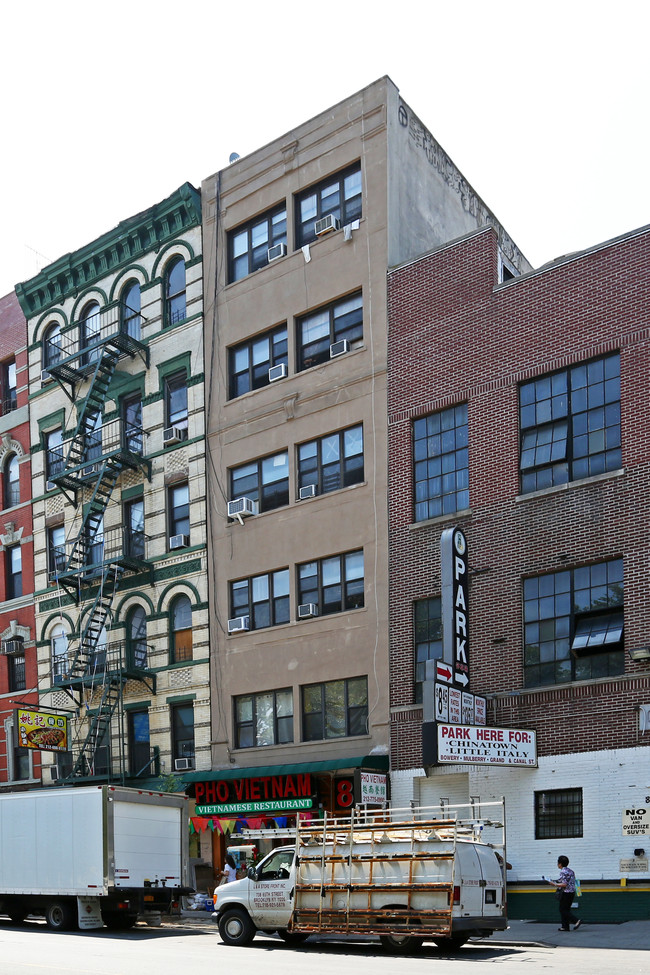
[(136, 637), (59, 645), (175, 291), (181, 630), (51, 345), (90, 333), (130, 307), (11, 482)]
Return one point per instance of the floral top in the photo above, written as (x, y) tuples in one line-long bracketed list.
[(567, 877)]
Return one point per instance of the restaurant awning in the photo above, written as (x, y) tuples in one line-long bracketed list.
[(378, 762)]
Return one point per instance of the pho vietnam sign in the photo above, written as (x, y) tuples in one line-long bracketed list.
[(454, 573), (371, 788), (480, 745), (258, 794)]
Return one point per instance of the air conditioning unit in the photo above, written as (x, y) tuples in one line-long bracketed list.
[(306, 610), (278, 372), (183, 764), (9, 647), (239, 624), (308, 491), (326, 225), (278, 250), (59, 679), (242, 508), (50, 486), (179, 541), (90, 470), (339, 348), (45, 377), (173, 435)]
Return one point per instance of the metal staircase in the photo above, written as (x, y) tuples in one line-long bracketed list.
[(90, 464)]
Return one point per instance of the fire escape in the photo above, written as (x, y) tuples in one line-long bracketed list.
[(86, 468)]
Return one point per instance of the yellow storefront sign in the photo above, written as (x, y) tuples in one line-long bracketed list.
[(41, 729)]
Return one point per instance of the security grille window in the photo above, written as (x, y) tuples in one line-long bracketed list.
[(332, 462), (14, 572), (335, 709), (56, 555), (571, 424), (182, 724), (441, 464), (249, 362), (573, 624), (264, 719), (264, 599), (175, 299), (16, 666), (248, 245), (176, 400), (338, 196), (179, 510), (558, 814), (53, 453), (139, 743), (428, 638), (265, 481), (317, 331), (9, 389), (334, 584)]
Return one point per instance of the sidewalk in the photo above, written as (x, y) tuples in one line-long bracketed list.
[(631, 936)]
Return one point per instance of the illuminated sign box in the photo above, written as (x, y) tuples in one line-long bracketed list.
[(41, 730)]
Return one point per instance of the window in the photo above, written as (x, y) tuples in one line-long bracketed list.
[(94, 448), (248, 245), (176, 400), (573, 624), (132, 424), (134, 539), (558, 814), (249, 362), (90, 333), (139, 743), (336, 709), (59, 644), (179, 510), (182, 725), (130, 306), (571, 424), (264, 719), (320, 329), (428, 638), (338, 195), (14, 569), (51, 345), (19, 760), (136, 637), (181, 630), (56, 556), (16, 667), (11, 480), (175, 307), (334, 584), (265, 481), (53, 454), (9, 391), (333, 462), (440, 463), (264, 599), (94, 541)]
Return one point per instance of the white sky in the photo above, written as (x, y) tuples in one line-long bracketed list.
[(106, 108)]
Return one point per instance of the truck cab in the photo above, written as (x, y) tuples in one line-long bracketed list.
[(261, 901)]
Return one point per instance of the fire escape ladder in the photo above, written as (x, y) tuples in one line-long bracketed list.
[(85, 660), (92, 406), (100, 725)]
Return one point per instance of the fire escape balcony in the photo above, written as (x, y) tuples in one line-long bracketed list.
[(87, 558), (77, 461), (119, 660)]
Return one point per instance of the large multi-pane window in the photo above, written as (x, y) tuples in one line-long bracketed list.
[(265, 481), (175, 303), (179, 510), (335, 709), (51, 348), (248, 245), (571, 424), (264, 719), (9, 386), (53, 454), (428, 638), (56, 554), (14, 572), (250, 361), (132, 431), (16, 672), (136, 637), (11, 479), (181, 630), (90, 333), (332, 462), (558, 814), (338, 195), (264, 599), (134, 539), (130, 307), (441, 465), (318, 330), (59, 645), (176, 400), (182, 725), (573, 622), (139, 742), (333, 584)]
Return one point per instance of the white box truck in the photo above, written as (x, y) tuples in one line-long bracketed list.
[(427, 878), (92, 855)]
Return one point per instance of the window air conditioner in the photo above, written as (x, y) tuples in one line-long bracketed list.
[(179, 541), (277, 372), (9, 647), (239, 624), (173, 435), (308, 491), (278, 250), (91, 469), (59, 679), (183, 764), (325, 225), (306, 610), (45, 377), (242, 507), (50, 486), (339, 348)]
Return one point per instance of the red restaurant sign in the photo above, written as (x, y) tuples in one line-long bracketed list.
[(264, 793)]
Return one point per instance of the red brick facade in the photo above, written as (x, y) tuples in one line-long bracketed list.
[(457, 336)]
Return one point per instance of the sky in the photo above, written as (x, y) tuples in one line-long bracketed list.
[(107, 108)]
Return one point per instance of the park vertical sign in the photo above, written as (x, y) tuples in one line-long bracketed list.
[(454, 571)]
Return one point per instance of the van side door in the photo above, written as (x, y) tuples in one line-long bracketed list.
[(271, 893)]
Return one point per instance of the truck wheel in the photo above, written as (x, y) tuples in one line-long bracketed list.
[(403, 944), (454, 943), (291, 937), (60, 916), (236, 928), (119, 921)]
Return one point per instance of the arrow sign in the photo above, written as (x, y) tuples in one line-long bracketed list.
[(444, 672), (461, 679)]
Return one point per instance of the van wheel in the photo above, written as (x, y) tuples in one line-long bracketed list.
[(454, 943), (291, 937), (403, 944), (236, 928), (60, 916)]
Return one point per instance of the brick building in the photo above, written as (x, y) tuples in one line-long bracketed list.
[(518, 411), (18, 683)]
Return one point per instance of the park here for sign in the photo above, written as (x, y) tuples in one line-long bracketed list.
[(471, 745)]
